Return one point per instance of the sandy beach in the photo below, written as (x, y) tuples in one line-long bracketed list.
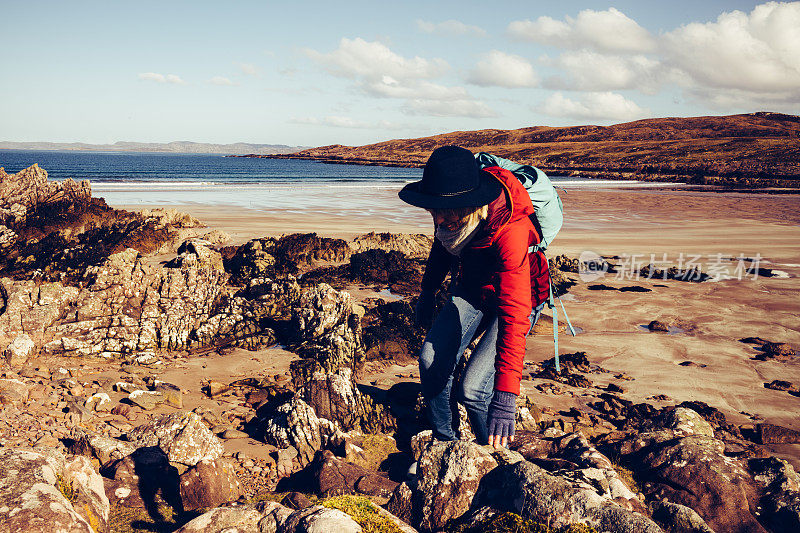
[(707, 319)]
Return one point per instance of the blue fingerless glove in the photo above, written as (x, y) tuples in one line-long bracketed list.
[(502, 411)]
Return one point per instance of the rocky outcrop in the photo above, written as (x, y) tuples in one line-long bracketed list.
[(328, 332), (125, 306), (413, 246), (335, 396), (53, 231), (28, 190), (275, 257), (295, 424)]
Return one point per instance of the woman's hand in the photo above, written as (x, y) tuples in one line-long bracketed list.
[(502, 411)]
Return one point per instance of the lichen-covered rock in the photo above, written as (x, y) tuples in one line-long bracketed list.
[(414, 246), (528, 490), (209, 483), (448, 477), (46, 492), (182, 436), (319, 519), (19, 350), (334, 476), (335, 396), (401, 503), (296, 424), (263, 517), (126, 306), (693, 471), (780, 502), (676, 518), (319, 310), (688, 422), (329, 333), (100, 447)]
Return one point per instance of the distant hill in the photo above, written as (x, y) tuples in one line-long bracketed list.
[(751, 150), (187, 147)]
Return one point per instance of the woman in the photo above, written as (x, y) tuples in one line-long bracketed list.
[(483, 232)]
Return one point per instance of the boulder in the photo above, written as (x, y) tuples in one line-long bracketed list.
[(209, 483), (104, 449), (182, 436), (263, 517), (688, 422), (772, 434), (20, 349), (136, 479), (43, 491), (334, 476), (693, 471), (318, 519), (531, 492), (296, 424), (449, 474), (677, 518)]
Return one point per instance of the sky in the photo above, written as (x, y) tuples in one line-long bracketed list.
[(352, 72)]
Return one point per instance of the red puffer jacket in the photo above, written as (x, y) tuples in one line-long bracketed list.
[(496, 270)]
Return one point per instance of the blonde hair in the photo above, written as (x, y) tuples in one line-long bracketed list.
[(467, 215)]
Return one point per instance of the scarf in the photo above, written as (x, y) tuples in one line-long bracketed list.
[(455, 240)]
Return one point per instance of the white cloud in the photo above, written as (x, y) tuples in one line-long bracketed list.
[(591, 71), (609, 31), (381, 73), (757, 53), (161, 78), (594, 106), (359, 58), (248, 69), (498, 69), (221, 80), (450, 27)]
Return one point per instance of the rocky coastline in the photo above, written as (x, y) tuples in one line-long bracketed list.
[(156, 379), (755, 151)]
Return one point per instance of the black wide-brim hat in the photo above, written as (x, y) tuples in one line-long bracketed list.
[(452, 179)]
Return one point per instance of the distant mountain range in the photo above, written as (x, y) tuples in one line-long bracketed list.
[(186, 147), (755, 150)]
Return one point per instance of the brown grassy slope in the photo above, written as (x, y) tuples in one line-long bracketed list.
[(758, 149)]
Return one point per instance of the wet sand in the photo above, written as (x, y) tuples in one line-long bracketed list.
[(712, 316)]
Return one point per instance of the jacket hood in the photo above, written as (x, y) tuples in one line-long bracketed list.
[(511, 205)]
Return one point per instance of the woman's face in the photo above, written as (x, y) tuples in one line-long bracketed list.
[(450, 222)]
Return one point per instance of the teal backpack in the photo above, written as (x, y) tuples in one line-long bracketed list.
[(548, 218)]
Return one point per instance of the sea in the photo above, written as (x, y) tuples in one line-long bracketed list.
[(146, 179)]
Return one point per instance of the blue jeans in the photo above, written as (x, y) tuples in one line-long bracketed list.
[(458, 323)]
